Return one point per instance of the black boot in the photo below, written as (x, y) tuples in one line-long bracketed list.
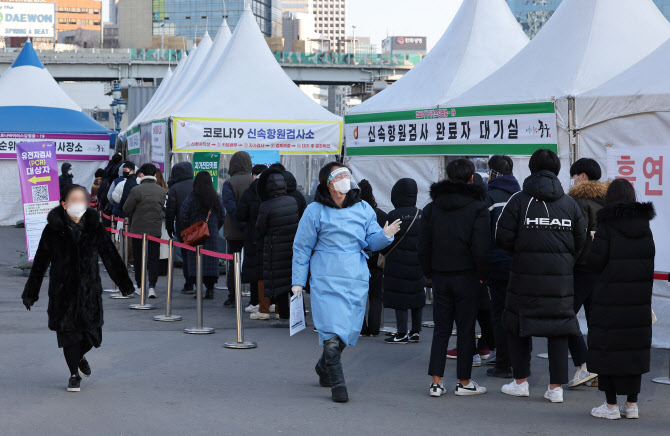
[(339, 394), (323, 376), (209, 294)]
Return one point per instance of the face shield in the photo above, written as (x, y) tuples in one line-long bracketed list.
[(340, 180)]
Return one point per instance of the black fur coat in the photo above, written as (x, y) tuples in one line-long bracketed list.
[(75, 289)]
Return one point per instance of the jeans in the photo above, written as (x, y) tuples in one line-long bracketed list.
[(330, 361), (153, 261), (401, 318), (498, 292), (520, 349), (232, 247), (372, 324), (454, 299), (585, 283), (189, 280)]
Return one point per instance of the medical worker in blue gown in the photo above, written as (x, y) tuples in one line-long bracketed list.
[(333, 232)]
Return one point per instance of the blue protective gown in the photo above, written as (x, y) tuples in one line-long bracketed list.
[(329, 245)]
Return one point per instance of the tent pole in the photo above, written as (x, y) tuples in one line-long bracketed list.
[(571, 129)]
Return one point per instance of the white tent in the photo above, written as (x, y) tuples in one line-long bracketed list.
[(482, 37), (165, 84)]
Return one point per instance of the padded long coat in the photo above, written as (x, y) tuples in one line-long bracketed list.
[(75, 289), (190, 215)]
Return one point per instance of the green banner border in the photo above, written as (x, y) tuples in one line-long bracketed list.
[(461, 112), (450, 149)]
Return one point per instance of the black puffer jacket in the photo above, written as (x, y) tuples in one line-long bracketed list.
[(247, 212), (181, 185), (590, 196), (276, 227), (292, 191), (403, 277), (64, 179), (499, 192), (75, 289), (620, 321), (544, 229), (455, 235)]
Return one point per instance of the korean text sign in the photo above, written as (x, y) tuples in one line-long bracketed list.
[(158, 139), (207, 162), (38, 176), (518, 129), (71, 147), (648, 169)]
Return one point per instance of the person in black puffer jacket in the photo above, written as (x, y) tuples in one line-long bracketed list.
[(619, 338), (404, 285), (181, 185), (276, 226), (292, 191), (544, 230)]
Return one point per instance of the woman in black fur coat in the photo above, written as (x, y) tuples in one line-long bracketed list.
[(71, 243)]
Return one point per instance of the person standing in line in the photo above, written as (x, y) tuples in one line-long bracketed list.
[(544, 230), (95, 188), (622, 255), (118, 189), (589, 194), (71, 243), (204, 204), (233, 188), (502, 185), (372, 324), (276, 226), (404, 284), (247, 213), (66, 176), (453, 250), (180, 186), (145, 205), (332, 236)]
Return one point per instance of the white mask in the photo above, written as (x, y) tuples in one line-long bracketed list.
[(572, 182), (76, 210), (139, 180), (342, 186)]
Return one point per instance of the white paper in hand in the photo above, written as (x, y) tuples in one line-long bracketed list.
[(297, 319)]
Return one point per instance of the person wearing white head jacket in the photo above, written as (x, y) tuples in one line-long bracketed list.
[(329, 244)]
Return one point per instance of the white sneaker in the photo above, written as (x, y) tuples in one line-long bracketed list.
[(152, 293), (260, 316), (554, 395), (138, 290), (605, 412), (476, 360), (436, 390), (272, 308), (630, 412), (516, 390), (252, 309), (581, 377), (471, 388)]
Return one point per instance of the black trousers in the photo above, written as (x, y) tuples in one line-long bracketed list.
[(283, 306), (187, 276), (454, 299), (232, 247), (401, 318), (498, 293), (613, 385), (372, 324), (153, 261), (485, 320), (253, 288), (585, 283), (74, 353), (520, 354)]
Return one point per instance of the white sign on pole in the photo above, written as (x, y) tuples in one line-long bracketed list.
[(27, 19)]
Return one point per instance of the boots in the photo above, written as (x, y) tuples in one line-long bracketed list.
[(209, 294), (332, 351)]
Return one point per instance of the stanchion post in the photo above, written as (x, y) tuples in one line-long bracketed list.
[(168, 302), (124, 256), (198, 329), (390, 331), (663, 380), (240, 344), (143, 291), (429, 301)]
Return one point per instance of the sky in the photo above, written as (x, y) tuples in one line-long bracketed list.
[(379, 18)]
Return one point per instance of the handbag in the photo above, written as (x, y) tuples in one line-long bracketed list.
[(197, 233), (381, 260)]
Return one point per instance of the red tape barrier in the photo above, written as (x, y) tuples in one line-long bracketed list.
[(107, 217), (109, 229), (217, 255), (662, 276), (120, 220), (159, 240), (182, 245), (133, 235)]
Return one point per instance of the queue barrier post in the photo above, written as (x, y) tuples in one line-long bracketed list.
[(113, 290), (390, 331), (198, 329), (143, 292), (429, 301), (241, 344), (168, 304), (124, 248), (663, 380)]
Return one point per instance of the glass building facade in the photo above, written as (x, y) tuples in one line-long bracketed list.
[(532, 14), (190, 18)]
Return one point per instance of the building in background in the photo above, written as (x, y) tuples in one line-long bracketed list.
[(330, 18), (404, 45)]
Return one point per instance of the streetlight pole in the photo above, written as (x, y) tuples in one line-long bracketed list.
[(118, 106)]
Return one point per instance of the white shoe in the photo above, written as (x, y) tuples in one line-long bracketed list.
[(252, 309), (476, 360), (272, 308), (260, 316), (630, 412), (436, 390), (471, 388), (516, 390), (152, 293), (581, 377), (554, 395), (138, 290), (605, 412)]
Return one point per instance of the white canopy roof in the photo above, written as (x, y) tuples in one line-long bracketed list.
[(584, 44), (165, 83), (248, 83), (482, 37), (642, 88)]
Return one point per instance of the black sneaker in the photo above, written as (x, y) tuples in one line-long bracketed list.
[(229, 303), (84, 368), (187, 291), (323, 377), (501, 373), (397, 339), (414, 338), (339, 394), (73, 384)]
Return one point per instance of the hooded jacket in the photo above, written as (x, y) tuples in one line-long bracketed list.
[(247, 213), (292, 191), (622, 254), (590, 196), (145, 207), (403, 277), (65, 179), (544, 230), (499, 192), (276, 226), (181, 185), (75, 289), (455, 235), (233, 188)]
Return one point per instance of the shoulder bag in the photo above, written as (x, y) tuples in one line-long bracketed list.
[(381, 260), (197, 233)]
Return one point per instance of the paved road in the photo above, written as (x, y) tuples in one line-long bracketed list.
[(150, 378)]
